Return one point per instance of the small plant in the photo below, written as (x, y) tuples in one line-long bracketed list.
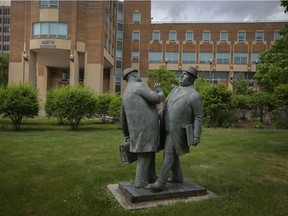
[(257, 124)]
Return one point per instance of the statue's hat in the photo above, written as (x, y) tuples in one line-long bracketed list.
[(128, 71), (192, 71)]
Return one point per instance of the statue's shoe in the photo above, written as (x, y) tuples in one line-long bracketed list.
[(157, 187)]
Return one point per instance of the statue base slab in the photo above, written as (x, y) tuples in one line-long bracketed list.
[(172, 190)]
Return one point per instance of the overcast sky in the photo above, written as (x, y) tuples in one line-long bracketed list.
[(217, 11)]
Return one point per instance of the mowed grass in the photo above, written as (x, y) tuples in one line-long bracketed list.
[(47, 169)]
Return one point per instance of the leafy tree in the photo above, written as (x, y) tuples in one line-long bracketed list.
[(4, 68), (241, 86), (262, 103), (217, 103), (280, 114), (273, 67), (70, 104), (163, 76), (243, 103), (18, 102)]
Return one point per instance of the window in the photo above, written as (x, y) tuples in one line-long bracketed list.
[(155, 57), (245, 75), (172, 57), (119, 35), (135, 36), (49, 3), (6, 11), (64, 75), (206, 36), (6, 38), (120, 17), (241, 36), (204, 57), (189, 36), (118, 64), (120, 26), (240, 58), (6, 29), (119, 45), (156, 36), (255, 58), (277, 36), (259, 36), (6, 20), (188, 57), (172, 36), (118, 55), (223, 58), (50, 30), (136, 17), (223, 36), (135, 56)]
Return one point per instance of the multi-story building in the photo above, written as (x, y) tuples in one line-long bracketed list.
[(63, 42), (4, 28), (69, 42), (220, 51)]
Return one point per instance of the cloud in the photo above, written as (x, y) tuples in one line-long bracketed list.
[(223, 11)]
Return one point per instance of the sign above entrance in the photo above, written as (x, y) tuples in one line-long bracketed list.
[(47, 44)]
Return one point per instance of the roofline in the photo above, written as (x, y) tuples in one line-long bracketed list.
[(218, 22)]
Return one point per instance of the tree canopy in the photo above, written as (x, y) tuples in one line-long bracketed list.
[(272, 69)]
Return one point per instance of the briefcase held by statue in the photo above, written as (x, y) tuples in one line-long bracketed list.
[(126, 156)]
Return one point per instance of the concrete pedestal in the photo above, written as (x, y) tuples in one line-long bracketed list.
[(172, 190)]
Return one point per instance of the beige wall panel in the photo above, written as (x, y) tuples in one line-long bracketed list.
[(222, 67), (50, 44), (81, 47), (16, 72), (93, 77), (50, 15), (240, 68), (42, 82)]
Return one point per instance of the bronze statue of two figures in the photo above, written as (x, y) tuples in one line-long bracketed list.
[(180, 127)]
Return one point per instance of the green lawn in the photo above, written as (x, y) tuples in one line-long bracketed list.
[(47, 169)]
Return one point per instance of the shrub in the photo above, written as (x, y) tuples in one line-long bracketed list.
[(102, 107), (115, 107), (18, 101), (217, 103), (70, 104)]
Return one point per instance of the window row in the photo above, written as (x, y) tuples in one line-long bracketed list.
[(5, 11), (5, 20), (5, 29), (49, 3), (50, 30), (206, 36), (204, 57)]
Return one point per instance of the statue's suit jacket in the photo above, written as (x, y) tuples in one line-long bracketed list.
[(183, 106), (139, 117)]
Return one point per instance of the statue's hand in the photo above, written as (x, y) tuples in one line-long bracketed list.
[(196, 141), (127, 139), (157, 87)]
